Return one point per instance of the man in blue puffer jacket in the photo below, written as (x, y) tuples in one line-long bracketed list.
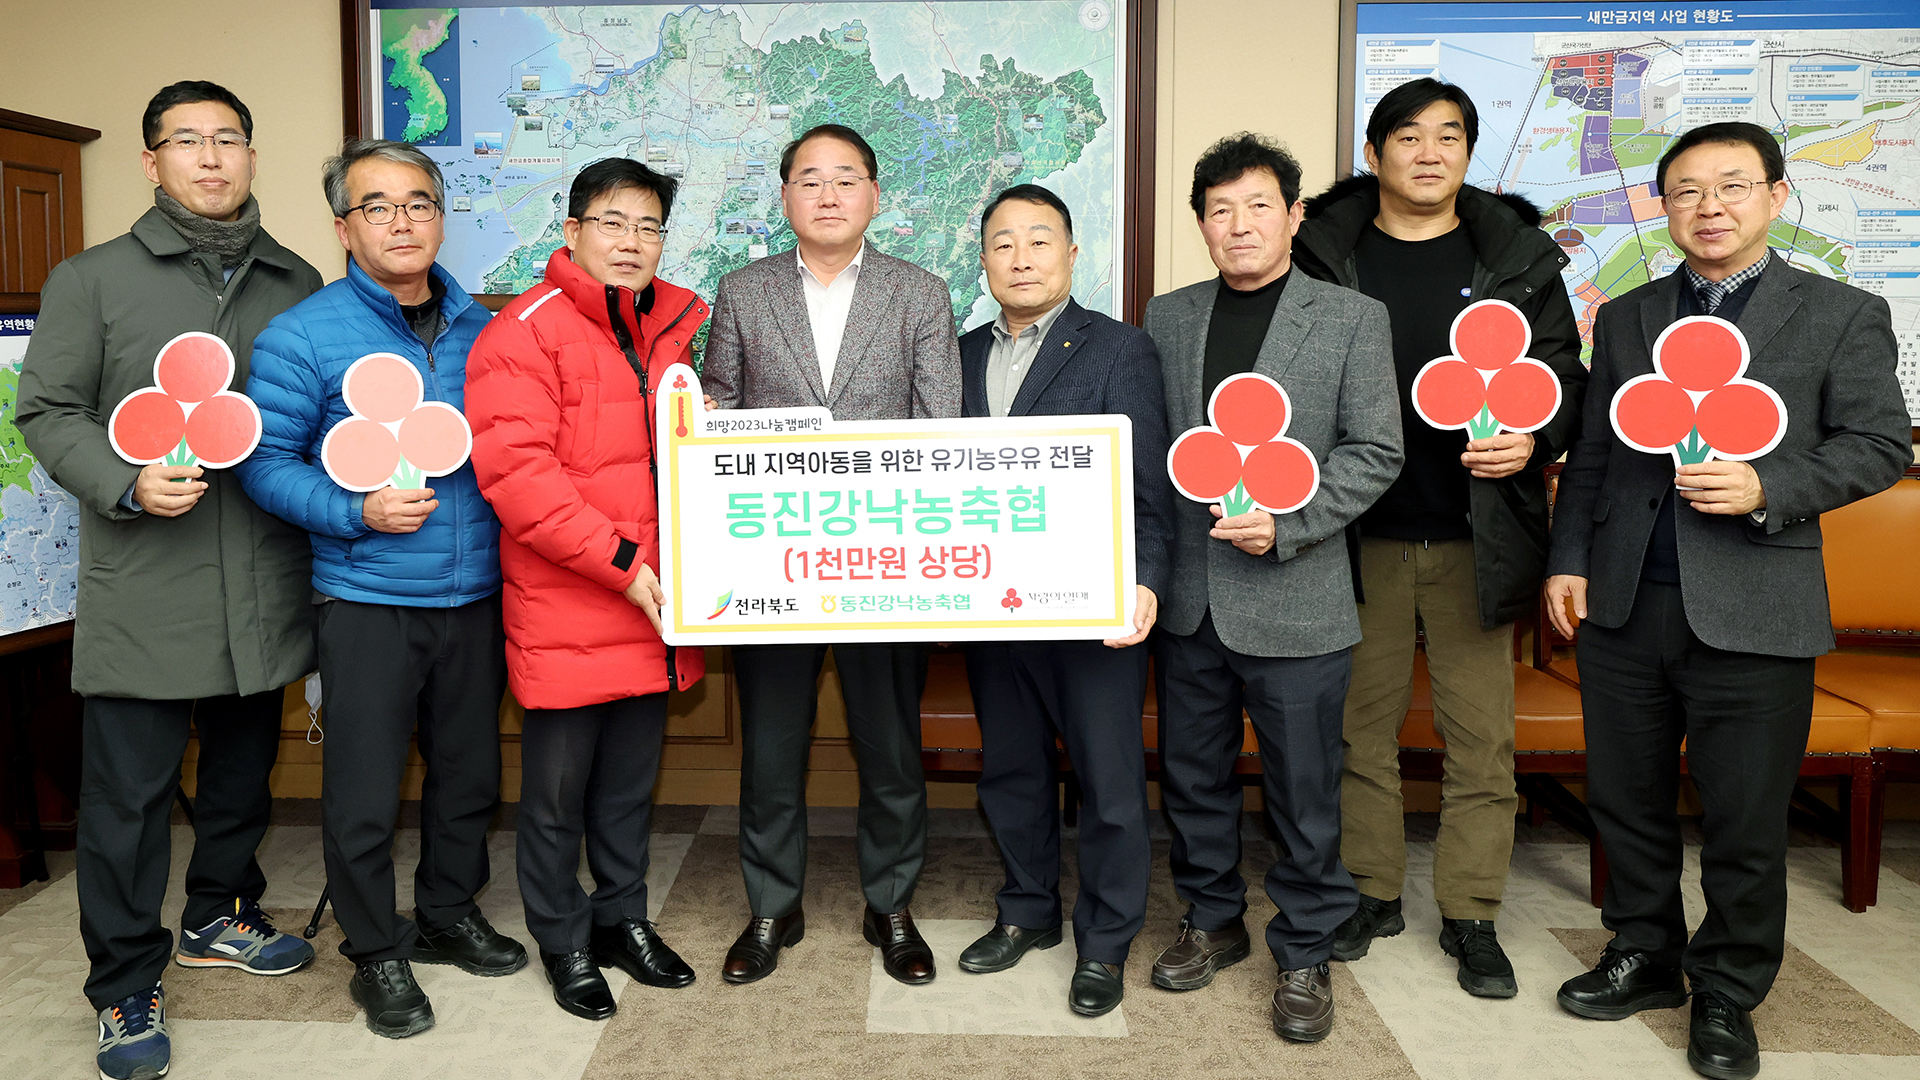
[(408, 586)]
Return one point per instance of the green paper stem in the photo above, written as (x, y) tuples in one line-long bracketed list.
[(1693, 449), (406, 477), (1237, 501), (179, 456), (1483, 426)]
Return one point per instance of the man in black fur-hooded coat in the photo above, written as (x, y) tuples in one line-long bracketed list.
[(1460, 539)]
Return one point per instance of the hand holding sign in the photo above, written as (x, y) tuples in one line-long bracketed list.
[(1489, 384), (1244, 460), (1695, 405), (188, 417), (394, 436)]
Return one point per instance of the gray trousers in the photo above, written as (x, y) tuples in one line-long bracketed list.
[(587, 772), (778, 687)]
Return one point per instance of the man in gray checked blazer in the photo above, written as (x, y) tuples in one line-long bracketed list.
[(832, 323), (1260, 610), (1705, 600)]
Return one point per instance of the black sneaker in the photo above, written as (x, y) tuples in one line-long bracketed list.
[(396, 1006), (1485, 970), (473, 946), (1372, 919)]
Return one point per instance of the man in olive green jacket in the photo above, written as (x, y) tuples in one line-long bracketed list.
[(194, 603)]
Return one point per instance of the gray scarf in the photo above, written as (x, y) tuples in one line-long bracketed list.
[(227, 239)]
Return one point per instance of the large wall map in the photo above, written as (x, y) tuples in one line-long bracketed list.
[(1577, 102), (959, 100), (39, 523)]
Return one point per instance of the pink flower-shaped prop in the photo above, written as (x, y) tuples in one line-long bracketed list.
[(394, 436), (1244, 460), (1489, 384), (1696, 406), (188, 417)]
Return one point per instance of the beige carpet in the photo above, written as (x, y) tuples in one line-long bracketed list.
[(1846, 1007)]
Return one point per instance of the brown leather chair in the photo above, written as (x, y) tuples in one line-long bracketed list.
[(1873, 583)]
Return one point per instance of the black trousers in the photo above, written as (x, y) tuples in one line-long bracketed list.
[(385, 670), (882, 686), (587, 772), (1745, 717), (129, 771), (1026, 693), (1297, 705)]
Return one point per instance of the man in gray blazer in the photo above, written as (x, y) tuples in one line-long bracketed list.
[(1260, 611), (1705, 598), (837, 324)]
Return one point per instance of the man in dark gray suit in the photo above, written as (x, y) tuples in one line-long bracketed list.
[(1260, 609), (1046, 355), (1705, 597), (837, 324)]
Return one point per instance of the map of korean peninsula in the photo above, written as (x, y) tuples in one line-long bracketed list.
[(513, 101)]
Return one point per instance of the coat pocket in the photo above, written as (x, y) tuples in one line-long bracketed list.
[(574, 446)]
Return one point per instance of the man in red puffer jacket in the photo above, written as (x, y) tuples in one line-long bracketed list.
[(560, 394)]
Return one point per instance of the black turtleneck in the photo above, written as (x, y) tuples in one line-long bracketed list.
[(1425, 284), (1237, 330), (424, 318)]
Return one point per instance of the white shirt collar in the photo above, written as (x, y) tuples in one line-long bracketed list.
[(853, 266)]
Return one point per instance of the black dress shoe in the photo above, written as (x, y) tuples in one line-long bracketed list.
[(635, 948), (472, 945), (1622, 984), (903, 952), (756, 952), (1002, 947), (396, 1006), (1193, 958), (1096, 988), (1720, 1040), (578, 986), (1372, 919)]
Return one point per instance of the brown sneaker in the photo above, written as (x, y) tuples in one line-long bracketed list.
[(1190, 962), (1303, 1006)]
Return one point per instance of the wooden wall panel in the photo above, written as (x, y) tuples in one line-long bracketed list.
[(39, 207)]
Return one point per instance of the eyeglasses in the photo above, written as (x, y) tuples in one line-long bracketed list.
[(811, 188), (1727, 191), (613, 226), (225, 142), (383, 213)]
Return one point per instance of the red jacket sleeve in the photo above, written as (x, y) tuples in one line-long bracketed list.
[(514, 405)]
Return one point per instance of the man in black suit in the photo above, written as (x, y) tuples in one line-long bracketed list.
[(1705, 596), (1047, 355)]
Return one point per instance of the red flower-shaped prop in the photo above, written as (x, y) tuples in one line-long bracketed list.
[(1245, 459), (188, 417), (394, 436), (1696, 406), (1489, 384)]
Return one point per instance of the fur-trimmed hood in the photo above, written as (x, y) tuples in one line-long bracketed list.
[(1368, 184)]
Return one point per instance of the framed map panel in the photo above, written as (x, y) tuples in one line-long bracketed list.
[(959, 98)]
